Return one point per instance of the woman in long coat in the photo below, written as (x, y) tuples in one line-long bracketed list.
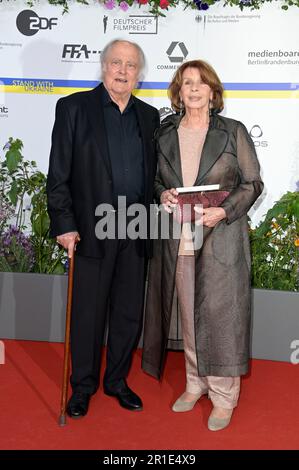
[(196, 146)]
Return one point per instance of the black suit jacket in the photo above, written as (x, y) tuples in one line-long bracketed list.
[(80, 176)]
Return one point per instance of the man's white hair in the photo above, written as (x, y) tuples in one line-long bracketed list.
[(108, 47)]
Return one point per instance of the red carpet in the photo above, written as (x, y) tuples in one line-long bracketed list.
[(267, 416)]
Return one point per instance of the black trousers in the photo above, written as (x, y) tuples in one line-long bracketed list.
[(113, 284)]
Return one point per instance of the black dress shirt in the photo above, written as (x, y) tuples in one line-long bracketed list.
[(125, 150)]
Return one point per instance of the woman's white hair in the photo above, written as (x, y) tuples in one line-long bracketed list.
[(108, 47)]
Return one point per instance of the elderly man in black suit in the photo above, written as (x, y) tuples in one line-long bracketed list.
[(103, 148)]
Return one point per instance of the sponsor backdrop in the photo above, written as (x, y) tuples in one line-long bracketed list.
[(45, 55)]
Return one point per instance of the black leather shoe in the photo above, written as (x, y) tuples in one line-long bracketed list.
[(77, 406), (127, 398)]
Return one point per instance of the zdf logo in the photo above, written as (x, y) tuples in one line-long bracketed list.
[(29, 23)]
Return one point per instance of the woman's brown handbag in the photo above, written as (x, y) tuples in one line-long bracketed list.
[(184, 210)]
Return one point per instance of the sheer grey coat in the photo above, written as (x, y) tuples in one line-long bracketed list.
[(222, 266)]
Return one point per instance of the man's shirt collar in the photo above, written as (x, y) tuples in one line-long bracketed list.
[(107, 101)]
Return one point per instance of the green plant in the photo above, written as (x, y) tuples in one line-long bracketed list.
[(158, 7), (275, 246), (24, 219), (16, 251)]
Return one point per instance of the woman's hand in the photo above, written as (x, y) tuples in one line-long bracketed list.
[(210, 216), (168, 199)]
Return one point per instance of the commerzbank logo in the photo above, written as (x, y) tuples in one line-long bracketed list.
[(29, 23), (177, 52)]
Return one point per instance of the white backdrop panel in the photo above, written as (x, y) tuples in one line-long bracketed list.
[(63, 57)]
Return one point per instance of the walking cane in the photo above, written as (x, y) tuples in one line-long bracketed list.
[(66, 361)]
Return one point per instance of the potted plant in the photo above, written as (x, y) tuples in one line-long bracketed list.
[(275, 246), (32, 288), (275, 278), (24, 222)]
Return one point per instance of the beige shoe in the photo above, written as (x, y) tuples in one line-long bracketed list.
[(181, 406), (216, 424)]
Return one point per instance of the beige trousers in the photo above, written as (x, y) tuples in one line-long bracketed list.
[(223, 391)]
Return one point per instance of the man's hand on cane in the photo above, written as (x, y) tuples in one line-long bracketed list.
[(68, 241)]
